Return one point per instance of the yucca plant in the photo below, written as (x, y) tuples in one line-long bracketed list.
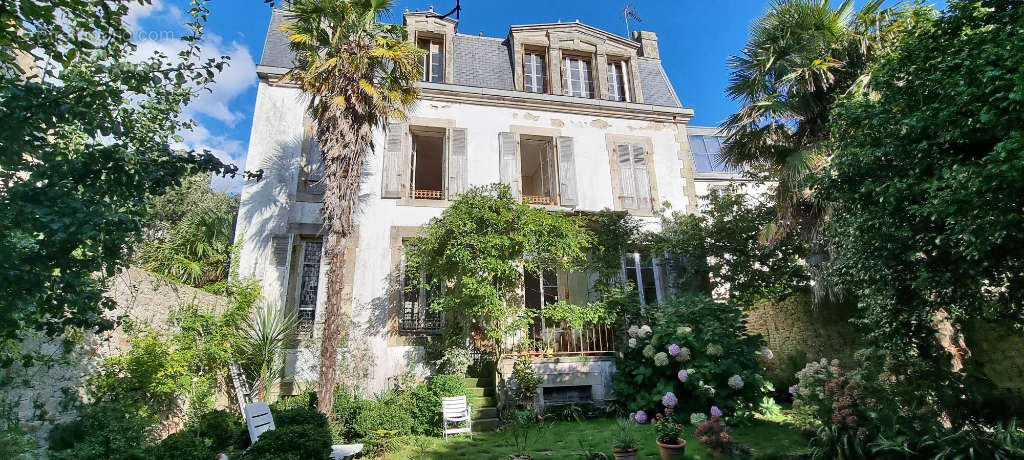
[(357, 72), (268, 331)]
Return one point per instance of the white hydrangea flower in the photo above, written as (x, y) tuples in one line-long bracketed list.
[(633, 330), (645, 330), (661, 359), (684, 354), (649, 351), (736, 382), (632, 343)]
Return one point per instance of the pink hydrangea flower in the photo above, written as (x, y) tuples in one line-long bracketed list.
[(682, 375), (669, 400), (767, 353), (673, 349)]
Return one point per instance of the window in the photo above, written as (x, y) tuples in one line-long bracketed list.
[(645, 273), (618, 88), (576, 77), (539, 170), (433, 61), (309, 284), (634, 177), (428, 163), (416, 317), (707, 154), (540, 289), (534, 74)]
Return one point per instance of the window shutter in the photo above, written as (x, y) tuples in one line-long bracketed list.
[(508, 166), (458, 163), (566, 172), (280, 246), (643, 180), (627, 185), (392, 176)]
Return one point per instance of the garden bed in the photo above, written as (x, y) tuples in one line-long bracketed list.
[(563, 441)]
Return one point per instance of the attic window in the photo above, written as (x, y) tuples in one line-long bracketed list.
[(534, 76), (577, 77), (433, 61), (618, 87)]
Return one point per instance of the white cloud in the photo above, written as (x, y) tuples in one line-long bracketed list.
[(158, 10), (226, 149)]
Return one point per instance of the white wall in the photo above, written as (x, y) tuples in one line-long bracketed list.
[(267, 207)]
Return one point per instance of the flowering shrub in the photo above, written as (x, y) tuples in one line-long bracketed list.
[(721, 360), (668, 430), (640, 417), (714, 434), (809, 392), (669, 400), (837, 399)]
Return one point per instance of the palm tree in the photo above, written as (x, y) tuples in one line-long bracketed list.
[(357, 72), (802, 56)]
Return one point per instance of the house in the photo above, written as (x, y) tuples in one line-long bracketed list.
[(571, 117)]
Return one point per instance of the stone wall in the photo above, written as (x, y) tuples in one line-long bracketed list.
[(43, 393), (575, 371), (799, 332)]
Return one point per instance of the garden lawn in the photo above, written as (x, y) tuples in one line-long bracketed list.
[(563, 440)]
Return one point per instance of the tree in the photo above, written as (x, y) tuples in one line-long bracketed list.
[(802, 56), (358, 73), (721, 246), (927, 181), (88, 129)]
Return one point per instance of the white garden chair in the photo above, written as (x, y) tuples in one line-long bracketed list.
[(456, 410), (259, 420)]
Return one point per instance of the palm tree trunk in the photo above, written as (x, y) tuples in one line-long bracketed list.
[(327, 377)]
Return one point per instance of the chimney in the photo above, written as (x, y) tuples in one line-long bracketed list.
[(648, 43)]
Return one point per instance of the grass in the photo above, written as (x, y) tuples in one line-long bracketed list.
[(564, 440)]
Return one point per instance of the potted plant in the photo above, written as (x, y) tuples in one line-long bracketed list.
[(624, 444), (670, 443)]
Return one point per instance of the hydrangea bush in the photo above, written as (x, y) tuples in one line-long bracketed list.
[(695, 349)]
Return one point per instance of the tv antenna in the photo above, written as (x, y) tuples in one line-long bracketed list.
[(629, 12), (456, 10)]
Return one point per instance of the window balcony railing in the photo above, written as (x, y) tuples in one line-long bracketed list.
[(538, 199), (561, 340), (426, 194)]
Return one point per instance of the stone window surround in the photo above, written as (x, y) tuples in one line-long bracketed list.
[(521, 130), (444, 123), (397, 241), (610, 141), (426, 25), (575, 39), (307, 231)]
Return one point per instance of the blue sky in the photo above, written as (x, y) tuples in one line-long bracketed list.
[(695, 37)]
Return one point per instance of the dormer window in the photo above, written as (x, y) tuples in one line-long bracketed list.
[(577, 78), (433, 61), (618, 85), (534, 74)]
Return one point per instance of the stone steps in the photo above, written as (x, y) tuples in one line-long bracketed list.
[(484, 403)]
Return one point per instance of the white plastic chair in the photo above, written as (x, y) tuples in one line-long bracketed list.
[(259, 420), (456, 410)]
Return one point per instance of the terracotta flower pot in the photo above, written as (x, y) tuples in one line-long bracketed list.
[(625, 454), (672, 451)]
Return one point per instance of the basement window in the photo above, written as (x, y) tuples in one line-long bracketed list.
[(539, 170), (571, 394), (428, 154)]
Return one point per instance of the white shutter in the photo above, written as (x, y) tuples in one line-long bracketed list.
[(627, 184), (643, 180), (566, 172), (393, 173), (458, 163), (508, 163)]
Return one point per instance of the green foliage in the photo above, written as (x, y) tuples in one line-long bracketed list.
[(346, 408), (86, 143), (714, 347), (524, 382), (927, 177), (190, 238), (478, 246), (625, 437), (525, 431), (260, 347), (668, 430), (103, 431), (386, 415), (296, 442), (17, 444), (723, 244), (454, 361)]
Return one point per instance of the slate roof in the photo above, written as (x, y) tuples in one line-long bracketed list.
[(482, 62)]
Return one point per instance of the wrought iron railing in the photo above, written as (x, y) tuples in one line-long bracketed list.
[(426, 194), (538, 199)]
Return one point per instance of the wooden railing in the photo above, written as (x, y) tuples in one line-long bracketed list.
[(562, 340)]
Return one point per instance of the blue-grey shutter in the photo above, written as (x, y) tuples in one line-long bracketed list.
[(393, 172), (567, 190), (627, 180), (458, 163), (508, 166)]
